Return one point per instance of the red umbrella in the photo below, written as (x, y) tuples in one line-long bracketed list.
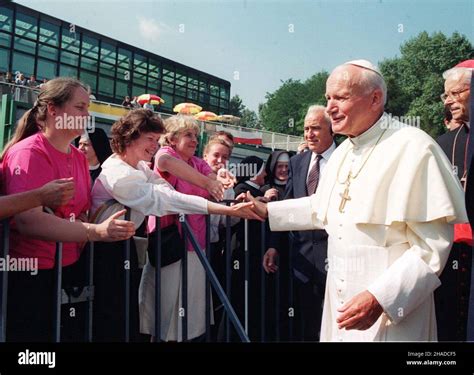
[(206, 116), (145, 98)]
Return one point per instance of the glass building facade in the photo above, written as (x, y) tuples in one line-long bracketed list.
[(34, 43)]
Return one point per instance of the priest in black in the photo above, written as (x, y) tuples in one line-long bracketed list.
[(452, 297)]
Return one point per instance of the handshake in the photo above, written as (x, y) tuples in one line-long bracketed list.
[(250, 204)]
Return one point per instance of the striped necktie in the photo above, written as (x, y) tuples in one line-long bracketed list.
[(313, 177)]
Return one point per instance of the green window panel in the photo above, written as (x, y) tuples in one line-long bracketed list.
[(6, 19), (26, 26), (90, 47), (25, 45), (167, 87), (108, 53), (49, 33), (214, 101), (225, 92), (121, 89), (4, 59), (48, 52), (5, 39), (168, 104), (67, 71), (69, 58), (45, 69), (138, 90), (88, 64), (23, 63), (215, 90), (107, 70), (124, 58), (180, 90), (89, 79), (106, 86), (71, 41), (192, 95)]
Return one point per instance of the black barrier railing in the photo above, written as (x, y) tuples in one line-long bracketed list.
[(215, 283), (61, 297)]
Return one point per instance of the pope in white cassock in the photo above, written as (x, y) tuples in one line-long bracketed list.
[(388, 199)]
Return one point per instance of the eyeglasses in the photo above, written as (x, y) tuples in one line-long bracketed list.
[(455, 95)]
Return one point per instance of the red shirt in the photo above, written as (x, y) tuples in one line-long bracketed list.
[(30, 164)]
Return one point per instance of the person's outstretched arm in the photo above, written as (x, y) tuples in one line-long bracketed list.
[(53, 194)]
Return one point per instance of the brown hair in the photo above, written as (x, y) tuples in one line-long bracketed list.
[(130, 126), (58, 91), (216, 141)]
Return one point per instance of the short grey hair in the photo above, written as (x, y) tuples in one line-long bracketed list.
[(463, 74), (373, 81), (315, 108)]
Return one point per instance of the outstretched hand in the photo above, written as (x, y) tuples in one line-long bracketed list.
[(245, 210), (259, 208), (114, 229)]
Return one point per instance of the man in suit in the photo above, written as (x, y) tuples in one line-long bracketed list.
[(309, 248)]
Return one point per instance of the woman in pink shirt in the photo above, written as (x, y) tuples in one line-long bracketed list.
[(179, 143), (39, 152)]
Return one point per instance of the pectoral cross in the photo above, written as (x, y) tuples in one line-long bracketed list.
[(345, 195)]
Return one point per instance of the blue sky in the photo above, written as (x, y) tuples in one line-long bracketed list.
[(262, 42)]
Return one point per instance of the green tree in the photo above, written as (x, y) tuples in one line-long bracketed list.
[(236, 106), (414, 80), (284, 110), (249, 119)]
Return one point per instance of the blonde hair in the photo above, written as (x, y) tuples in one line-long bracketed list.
[(177, 124)]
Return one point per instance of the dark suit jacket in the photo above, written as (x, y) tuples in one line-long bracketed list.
[(309, 248)]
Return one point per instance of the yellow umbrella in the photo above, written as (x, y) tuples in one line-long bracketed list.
[(228, 118), (187, 108), (206, 116)]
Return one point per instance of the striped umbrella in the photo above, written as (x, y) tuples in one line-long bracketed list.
[(228, 118), (187, 108), (155, 99), (206, 116)]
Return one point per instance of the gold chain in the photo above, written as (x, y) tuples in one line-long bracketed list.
[(363, 164), (345, 195)]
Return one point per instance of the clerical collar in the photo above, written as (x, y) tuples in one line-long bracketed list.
[(253, 184), (371, 134), (94, 167), (278, 182)]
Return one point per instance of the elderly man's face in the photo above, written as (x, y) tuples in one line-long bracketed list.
[(458, 97), (351, 108), (317, 132)]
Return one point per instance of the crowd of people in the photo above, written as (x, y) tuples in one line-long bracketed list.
[(359, 232)]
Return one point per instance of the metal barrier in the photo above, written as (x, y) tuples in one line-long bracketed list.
[(211, 280)]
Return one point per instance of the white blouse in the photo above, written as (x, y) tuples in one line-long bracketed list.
[(141, 190)]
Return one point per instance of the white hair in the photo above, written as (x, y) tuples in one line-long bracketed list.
[(373, 81), (459, 73), (315, 108)]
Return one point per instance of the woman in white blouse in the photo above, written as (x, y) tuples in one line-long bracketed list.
[(127, 178)]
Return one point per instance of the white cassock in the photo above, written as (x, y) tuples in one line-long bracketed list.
[(394, 236)]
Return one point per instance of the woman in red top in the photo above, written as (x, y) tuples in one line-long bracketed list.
[(39, 152)]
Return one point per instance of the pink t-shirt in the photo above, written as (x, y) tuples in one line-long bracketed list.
[(196, 222), (30, 164)]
